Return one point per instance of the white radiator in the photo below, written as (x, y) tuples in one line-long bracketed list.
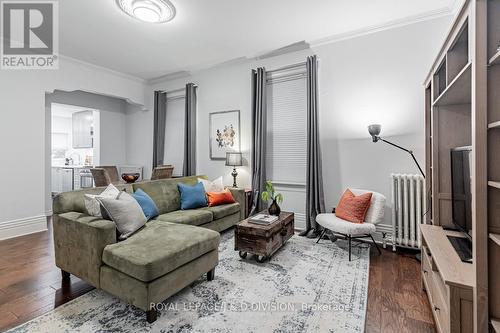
[(408, 209)]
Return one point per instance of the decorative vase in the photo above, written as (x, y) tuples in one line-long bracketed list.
[(130, 178), (274, 209)]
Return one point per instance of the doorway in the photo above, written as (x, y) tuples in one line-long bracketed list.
[(74, 137)]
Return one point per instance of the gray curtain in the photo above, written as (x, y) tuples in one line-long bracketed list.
[(315, 200), (259, 120), (160, 116), (189, 168)]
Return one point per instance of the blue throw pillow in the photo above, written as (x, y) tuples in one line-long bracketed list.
[(192, 196), (147, 204)]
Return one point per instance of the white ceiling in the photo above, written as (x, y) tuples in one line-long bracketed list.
[(208, 32)]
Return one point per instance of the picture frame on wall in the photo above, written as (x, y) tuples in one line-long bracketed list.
[(224, 133)]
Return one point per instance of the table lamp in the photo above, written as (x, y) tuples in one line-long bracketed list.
[(234, 160)]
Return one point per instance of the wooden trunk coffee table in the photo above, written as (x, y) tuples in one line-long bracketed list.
[(263, 240)]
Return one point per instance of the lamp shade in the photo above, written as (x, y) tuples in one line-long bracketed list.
[(374, 131), (234, 159)]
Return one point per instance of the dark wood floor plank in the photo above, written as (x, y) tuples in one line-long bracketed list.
[(29, 302), (395, 300), (374, 310), (30, 285), (7, 319)]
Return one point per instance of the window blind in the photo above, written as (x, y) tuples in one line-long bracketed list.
[(174, 136), (286, 130)]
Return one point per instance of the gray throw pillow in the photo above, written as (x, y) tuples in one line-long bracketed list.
[(125, 212)]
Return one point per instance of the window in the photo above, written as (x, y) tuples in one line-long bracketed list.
[(174, 136), (286, 129), (286, 154)]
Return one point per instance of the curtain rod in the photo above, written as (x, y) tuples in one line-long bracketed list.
[(174, 98), (285, 78), (300, 64), (176, 90)]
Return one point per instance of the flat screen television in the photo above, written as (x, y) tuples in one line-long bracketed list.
[(461, 200), (461, 196)]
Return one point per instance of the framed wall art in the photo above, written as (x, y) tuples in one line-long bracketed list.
[(224, 133)]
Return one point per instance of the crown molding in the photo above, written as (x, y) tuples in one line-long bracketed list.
[(97, 67), (446, 11), (302, 45), (295, 47), (196, 69), (104, 69), (169, 77)]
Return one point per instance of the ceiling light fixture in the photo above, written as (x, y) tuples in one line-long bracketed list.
[(150, 11)]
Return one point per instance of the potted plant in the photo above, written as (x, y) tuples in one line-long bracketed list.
[(268, 195)]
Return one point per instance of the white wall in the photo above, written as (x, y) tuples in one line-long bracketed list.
[(22, 131), (375, 78), (139, 128)]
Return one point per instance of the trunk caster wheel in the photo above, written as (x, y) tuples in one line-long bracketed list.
[(243, 255), (261, 259)]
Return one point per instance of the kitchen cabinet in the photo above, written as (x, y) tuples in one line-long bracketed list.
[(83, 129), (56, 181), (62, 179)]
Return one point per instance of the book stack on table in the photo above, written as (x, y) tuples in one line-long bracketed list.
[(263, 219)]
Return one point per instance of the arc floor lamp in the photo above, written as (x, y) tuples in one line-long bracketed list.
[(374, 131)]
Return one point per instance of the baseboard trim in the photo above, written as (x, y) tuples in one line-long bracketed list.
[(21, 227)]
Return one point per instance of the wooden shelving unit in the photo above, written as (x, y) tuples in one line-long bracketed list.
[(428, 147), (494, 125), (458, 91), (494, 184), (495, 59), (495, 238), (448, 280), (495, 324), (493, 161), (464, 110)]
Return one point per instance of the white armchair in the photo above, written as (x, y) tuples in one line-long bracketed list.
[(349, 230)]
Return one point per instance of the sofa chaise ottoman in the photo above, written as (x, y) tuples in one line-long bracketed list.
[(165, 256)]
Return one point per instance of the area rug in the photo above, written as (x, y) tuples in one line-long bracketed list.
[(305, 287)]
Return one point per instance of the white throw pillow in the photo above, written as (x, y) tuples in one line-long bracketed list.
[(212, 186), (376, 212), (93, 206), (125, 211)]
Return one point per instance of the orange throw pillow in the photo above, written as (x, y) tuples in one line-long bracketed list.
[(220, 198), (353, 208)]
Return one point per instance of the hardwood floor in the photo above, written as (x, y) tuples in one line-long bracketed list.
[(396, 302), (30, 285)]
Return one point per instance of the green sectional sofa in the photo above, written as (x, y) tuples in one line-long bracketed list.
[(163, 257)]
